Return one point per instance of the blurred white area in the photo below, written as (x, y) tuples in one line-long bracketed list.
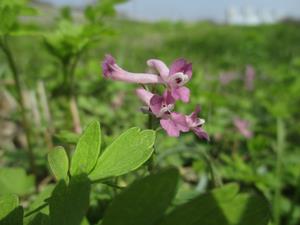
[(250, 16), (249, 12)]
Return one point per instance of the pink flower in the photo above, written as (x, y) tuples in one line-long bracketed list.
[(194, 123), (249, 77), (243, 127), (162, 107), (175, 77), (172, 122), (183, 123), (226, 78), (111, 70)]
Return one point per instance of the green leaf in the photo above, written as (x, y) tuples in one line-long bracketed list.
[(16, 181), (85, 222), (221, 206), (128, 152), (37, 206), (145, 201), (69, 203), (59, 163), (246, 209), (40, 219), (10, 211), (10, 12), (87, 150), (67, 137), (7, 204)]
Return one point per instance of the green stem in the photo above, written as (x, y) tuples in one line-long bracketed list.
[(217, 182), (73, 66), (64, 68), (36, 210), (150, 163), (279, 154), (26, 125), (68, 70)]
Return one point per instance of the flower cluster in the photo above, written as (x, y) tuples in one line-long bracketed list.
[(162, 106)]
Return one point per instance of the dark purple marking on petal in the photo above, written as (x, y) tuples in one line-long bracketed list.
[(168, 98), (201, 133), (181, 65), (107, 64), (194, 115)]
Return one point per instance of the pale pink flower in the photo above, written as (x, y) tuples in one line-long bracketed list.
[(175, 77), (194, 123), (161, 107), (172, 122), (226, 78), (249, 77), (243, 127)]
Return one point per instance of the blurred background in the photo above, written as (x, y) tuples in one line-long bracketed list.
[(246, 77)]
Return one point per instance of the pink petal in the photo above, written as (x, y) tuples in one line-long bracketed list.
[(170, 127), (181, 65), (156, 103), (144, 95), (194, 115), (113, 71), (168, 98), (182, 93), (160, 66), (180, 121), (201, 133), (188, 70), (107, 64), (177, 66)]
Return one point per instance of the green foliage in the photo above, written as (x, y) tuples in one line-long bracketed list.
[(69, 202), (16, 181), (221, 206), (10, 211), (102, 8), (273, 51), (39, 208), (145, 201), (128, 152), (67, 41), (67, 137), (59, 163), (10, 11), (40, 219), (87, 150)]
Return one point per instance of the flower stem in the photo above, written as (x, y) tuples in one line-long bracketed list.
[(150, 163), (279, 154), (68, 70), (26, 125)]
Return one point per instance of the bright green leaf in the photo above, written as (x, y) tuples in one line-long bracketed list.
[(59, 163), (87, 150), (145, 201), (128, 152), (10, 211), (16, 181)]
